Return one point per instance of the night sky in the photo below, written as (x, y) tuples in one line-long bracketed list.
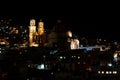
[(79, 25)]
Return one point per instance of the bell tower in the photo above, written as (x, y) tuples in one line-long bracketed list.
[(41, 27), (32, 32), (41, 33)]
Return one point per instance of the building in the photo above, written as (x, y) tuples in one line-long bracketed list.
[(37, 35), (57, 38), (73, 41)]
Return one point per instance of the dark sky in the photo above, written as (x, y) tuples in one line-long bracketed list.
[(79, 25)]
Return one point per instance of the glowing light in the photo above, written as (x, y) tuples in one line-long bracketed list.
[(110, 72), (69, 33), (107, 72), (42, 66), (74, 44), (98, 72), (16, 31), (102, 72), (109, 64), (114, 72), (115, 55), (78, 57)]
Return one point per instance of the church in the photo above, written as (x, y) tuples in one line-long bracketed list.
[(37, 35), (59, 37)]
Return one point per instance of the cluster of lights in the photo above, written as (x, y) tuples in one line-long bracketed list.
[(62, 57), (76, 57), (38, 66), (107, 72)]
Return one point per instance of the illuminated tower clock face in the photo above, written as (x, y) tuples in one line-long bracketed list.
[(32, 22)]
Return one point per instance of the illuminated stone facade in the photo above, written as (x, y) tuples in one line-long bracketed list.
[(73, 42), (57, 37), (36, 36)]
